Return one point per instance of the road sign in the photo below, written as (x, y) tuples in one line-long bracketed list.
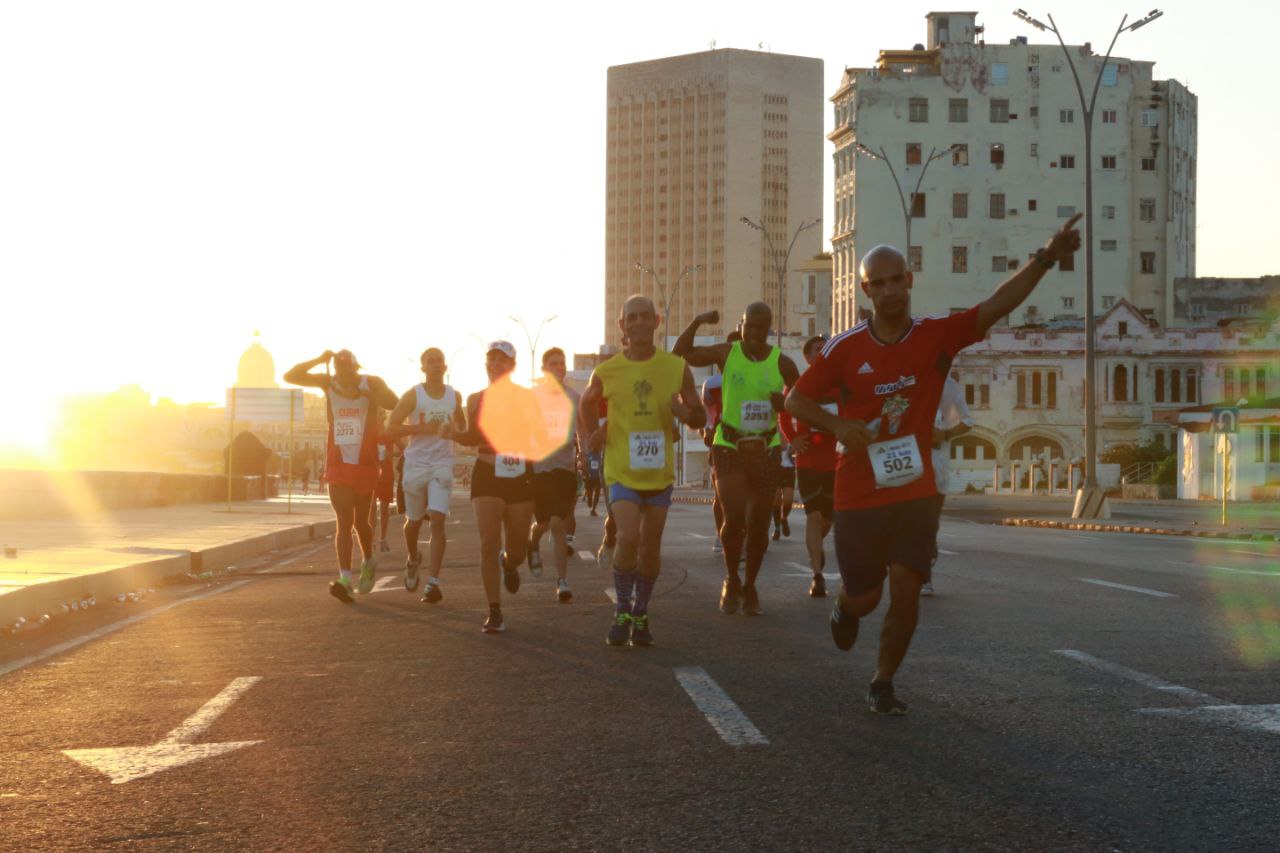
[(1226, 419), (265, 405)]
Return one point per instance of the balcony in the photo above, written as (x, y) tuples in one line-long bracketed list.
[(1113, 414)]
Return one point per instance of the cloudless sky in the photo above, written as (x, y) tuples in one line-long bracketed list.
[(386, 176)]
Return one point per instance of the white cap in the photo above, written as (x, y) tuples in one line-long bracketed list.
[(504, 347)]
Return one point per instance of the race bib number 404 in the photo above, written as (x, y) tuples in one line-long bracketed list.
[(508, 467), (648, 451), (347, 431), (896, 463)]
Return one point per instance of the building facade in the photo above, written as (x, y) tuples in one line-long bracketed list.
[(695, 144), (1015, 173), (1199, 301), (809, 297)]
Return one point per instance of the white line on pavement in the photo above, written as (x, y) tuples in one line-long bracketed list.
[(1141, 678), (1257, 572), (1142, 589), (587, 555), (725, 717), (699, 536), (1263, 554), (949, 553), (197, 723), (390, 582), (612, 594)]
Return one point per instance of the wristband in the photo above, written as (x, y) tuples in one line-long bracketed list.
[(1040, 259)]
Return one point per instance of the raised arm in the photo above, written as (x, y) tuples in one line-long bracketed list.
[(687, 405), (300, 374), (700, 356), (790, 376), (1017, 287)]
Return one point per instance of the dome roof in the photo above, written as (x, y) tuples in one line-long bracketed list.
[(257, 367)]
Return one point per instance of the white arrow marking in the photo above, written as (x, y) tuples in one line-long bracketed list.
[(389, 582), (126, 763)]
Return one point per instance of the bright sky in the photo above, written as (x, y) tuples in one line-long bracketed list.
[(386, 176)]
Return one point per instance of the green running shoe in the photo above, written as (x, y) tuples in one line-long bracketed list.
[(365, 584), (640, 633), (341, 590), (620, 632)]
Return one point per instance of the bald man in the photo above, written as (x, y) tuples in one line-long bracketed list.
[(746, 451)]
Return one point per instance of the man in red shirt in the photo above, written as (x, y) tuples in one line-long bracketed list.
[(889, 372)]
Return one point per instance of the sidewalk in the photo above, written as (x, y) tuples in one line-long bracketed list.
[(59, 560)]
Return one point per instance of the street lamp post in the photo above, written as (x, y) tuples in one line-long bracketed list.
[(1089, 503), (533, 341), (667, 297), (780, 269), (934, 154)]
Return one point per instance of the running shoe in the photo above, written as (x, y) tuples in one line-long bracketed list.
[(729, 594), (818, 588), (510, 576), (777, 533), (568, 550), (384, 547), (595, 514), (880, 699), (604, 557), (751, 601), (494, 624), (786, 527), (563, 593), (411, 576), (844, 627), (341, 590), (620, 631), (926, 588), (718, 547), (568, 538), (535, 560), (367, 573), (431, 594), (640, 633)]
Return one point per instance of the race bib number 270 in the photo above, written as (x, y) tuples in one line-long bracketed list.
[(648, 450)]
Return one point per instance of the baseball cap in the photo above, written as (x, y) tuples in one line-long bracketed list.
[(504, 347), (345, 356)]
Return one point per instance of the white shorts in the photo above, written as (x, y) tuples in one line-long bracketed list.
[(426, 489)]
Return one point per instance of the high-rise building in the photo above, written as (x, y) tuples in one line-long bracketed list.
[(696, 143), (1015, 175)]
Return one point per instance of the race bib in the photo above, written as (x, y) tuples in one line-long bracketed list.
[(347, 431), (757, 415), (508, 467), (896, 463), (648, 451)]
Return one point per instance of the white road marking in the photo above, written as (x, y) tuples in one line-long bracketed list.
[(1142, 589), (124, 764), (700, 536), (1141, 677), (725, 717), (1257, 572), (612, 594), (1251, 553), (587, 555), (390, 582), (948, 553)]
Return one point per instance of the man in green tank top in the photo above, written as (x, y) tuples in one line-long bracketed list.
[(746, 451)]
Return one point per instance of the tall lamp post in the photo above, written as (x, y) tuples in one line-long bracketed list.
[(1089, 503), (667, 297), (533, 341), (780, 269), (934, 154)]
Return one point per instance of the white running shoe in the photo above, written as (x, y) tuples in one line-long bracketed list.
[(563, 594), (926, 589), (411, 573)]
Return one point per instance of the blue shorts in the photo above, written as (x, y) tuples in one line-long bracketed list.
[(644, 497)]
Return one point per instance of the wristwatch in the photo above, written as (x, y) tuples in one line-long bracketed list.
[(1040, 259)]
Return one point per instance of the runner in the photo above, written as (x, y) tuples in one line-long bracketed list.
[(385, 493), (433, 410), (815, 453), (591, 473), (506, 428), (351, 468), (555, 483), (785, 497), (712, 392), (952, 421), (746, 449), (889, 372), (645, 390)]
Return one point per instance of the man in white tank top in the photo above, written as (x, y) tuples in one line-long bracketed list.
[(434, 412)]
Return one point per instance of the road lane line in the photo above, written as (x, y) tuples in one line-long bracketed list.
[(1257, 572), (948, 553), (699, 536), (1142, 589), (612, 594), (724, 715), (387, 583), (587, 556), (1142, 678)]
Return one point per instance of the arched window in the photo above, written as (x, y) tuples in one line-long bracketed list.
[(1160, 386), (1053, 390), (1035, 388), (1176, 396), (1120, 384), (1193, 393), (1228, 384), (1260, 381)]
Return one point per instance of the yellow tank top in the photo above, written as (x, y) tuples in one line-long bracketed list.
[(638, 448)]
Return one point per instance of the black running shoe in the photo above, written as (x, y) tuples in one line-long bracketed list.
[(880, 700), (844, 628), (620, 630), (786, 527), (510, 575), (431, 594), (494, 624), (751, 601), (818, 588), (341, 590), (640, 633), (777, 533), (729, 596)]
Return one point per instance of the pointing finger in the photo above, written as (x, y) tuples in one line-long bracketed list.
[(1072, 221)]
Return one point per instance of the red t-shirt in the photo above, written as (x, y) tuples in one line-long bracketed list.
[(821, 455), (894, 388)]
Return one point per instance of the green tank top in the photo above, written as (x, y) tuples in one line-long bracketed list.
[(745, 395)]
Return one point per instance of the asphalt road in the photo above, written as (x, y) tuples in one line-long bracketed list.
[(1067, 691)]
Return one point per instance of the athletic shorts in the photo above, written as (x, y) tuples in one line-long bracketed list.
[(386, 491), (763, 469), (427, 488), (869, 540), (786, 477), (345, 497), (554, 494), (644, 497), (817, 491), (514, 490)]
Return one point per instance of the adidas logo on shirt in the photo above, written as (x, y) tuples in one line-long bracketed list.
[(866, 368)]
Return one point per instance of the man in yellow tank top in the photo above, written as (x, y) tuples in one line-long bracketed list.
[(746, 452), (646, 391)]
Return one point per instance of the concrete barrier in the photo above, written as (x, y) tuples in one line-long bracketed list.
[(53, 494)]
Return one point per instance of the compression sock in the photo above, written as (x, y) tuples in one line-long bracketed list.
[(644, 589), (624, 584)]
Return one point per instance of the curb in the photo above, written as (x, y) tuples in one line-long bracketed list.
[(1131, 528), (33, 601)]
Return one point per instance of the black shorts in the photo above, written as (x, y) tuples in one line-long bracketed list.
[(554, 494), (763, 469), (817, 491), (787, 477), (869, 540), (514, 490)]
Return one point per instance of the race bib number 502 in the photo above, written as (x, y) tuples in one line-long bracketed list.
[(896, 463)]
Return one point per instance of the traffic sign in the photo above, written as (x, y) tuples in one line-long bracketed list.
[(1226, 419)]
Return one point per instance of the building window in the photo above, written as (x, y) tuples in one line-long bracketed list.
[(913, 153), (1260, 381), (1176, 396), (984, 396), (1108, 116), (960, 259), (999, 74), (960, 155), (1148, 164), (1067, 263), (958, 110), (1035, 149), (918, 110), (995, 206), (1108, 161), (1123, 328), (1228, 385), (1109, 74), (1031, 205), (1035, 388), (1150, 118), (1066, 161), (1108, 245), (1022, 391), (917, 206), (999, 263), (1149, 263), (1192, 391), (1066, 211), (1052, 391), (999, 110), (1242, 309), (1108, 302), (959, 205), (1160, 386), (1108, 211), (1066, 116), (1120, 384), (1197, 309), (1034, 111), (1147, 210), (997, 153), (1068, 302), (915, 258)]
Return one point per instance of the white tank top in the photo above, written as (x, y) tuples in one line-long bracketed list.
[(349, 416), (427, 451)]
